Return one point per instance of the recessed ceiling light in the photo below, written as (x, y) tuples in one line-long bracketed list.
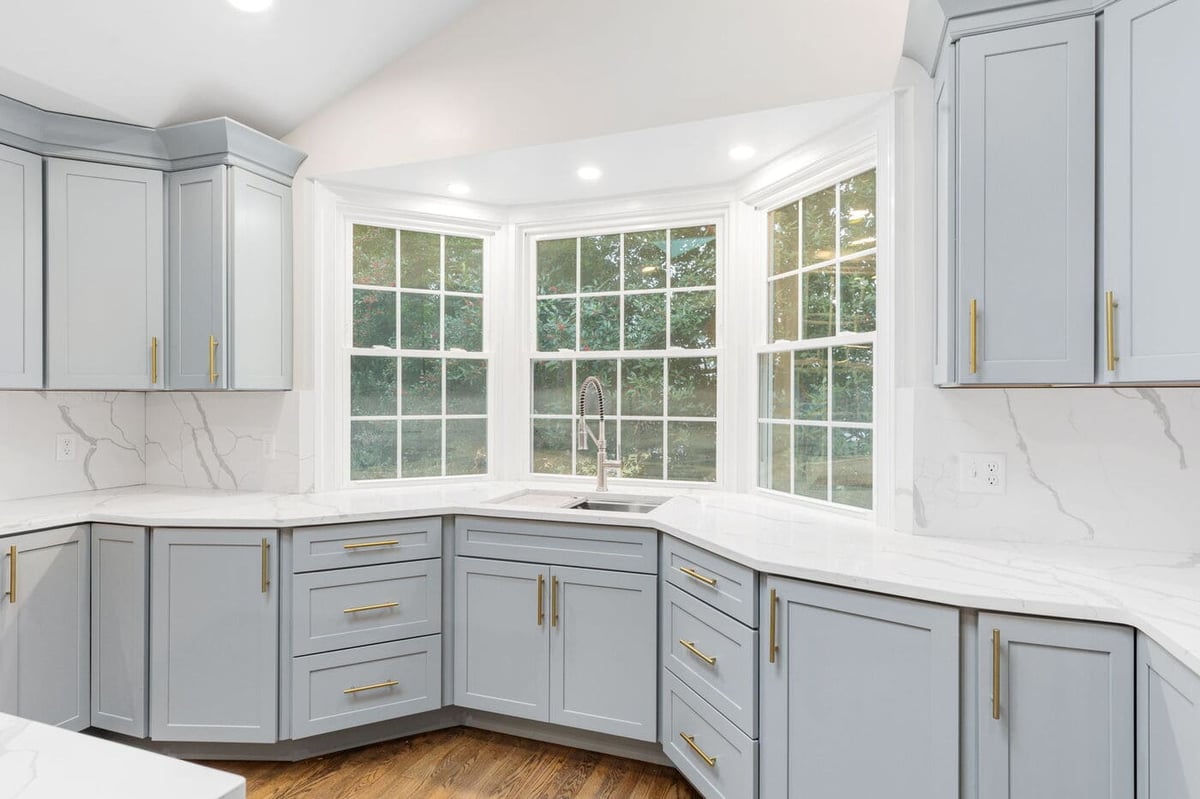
[(589, 173), (741, 152), (251, 6), (458, 188)]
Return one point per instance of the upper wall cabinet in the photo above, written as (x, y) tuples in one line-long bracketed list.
[(20, 269), (230, 279), (104, 276)]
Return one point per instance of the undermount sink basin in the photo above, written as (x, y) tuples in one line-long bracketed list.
[(563, 501), (618, 506)]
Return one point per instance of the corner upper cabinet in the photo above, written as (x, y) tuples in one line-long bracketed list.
[(1024, 204), (104, 276), (230, 280), (20, 269), (1149, 171)]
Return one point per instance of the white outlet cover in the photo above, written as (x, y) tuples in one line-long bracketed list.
[(66, 447), (982, 473)]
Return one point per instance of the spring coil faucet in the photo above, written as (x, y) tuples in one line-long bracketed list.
[(585, 432)]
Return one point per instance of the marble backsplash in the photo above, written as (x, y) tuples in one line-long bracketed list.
[(110, 430)]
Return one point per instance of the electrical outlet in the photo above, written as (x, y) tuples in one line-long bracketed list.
[(65, 446), (268, 446), (981, 472)]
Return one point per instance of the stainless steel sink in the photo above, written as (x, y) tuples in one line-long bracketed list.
[(619, 506), (565, 501)]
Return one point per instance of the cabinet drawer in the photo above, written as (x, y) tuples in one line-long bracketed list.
[(340, 545), (727, 586), (588, 545), (366, 605), (730, 682), (733, 770), (351, 687)]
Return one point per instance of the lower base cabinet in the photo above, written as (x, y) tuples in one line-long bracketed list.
[(859, 695), (1168, 723), (714, 755)]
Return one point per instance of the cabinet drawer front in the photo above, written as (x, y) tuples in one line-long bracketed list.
[(366, 605), (727, 586), (693, 634), (732, 774), (588, 545), (338, 690), (340, 545)]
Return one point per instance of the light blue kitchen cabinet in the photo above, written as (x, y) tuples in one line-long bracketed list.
[(859, 695), (44, 627), (1168, 725), (1148, 172), (120, 615), (104, 276), (214, 635), (20, 269), (1024, 215), (944, 305), (1055, 709)]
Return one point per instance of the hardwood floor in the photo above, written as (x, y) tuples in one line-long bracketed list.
[(461, 763)]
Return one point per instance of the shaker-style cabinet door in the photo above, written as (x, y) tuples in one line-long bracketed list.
[(20, 269), (104, 276), (1168, 725), (1149, 126), (1055, 709), (1025, 215)]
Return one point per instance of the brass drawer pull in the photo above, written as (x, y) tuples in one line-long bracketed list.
[(691, 741), (154, 360), (376, 686), (973, 312), (541, 613), (12, 575), (1109, 304), (380, 606), (212, 359), (995, 674), (266, 565), (369, 544), (691, 647), (553, 601), (695, 575), (773, 647)]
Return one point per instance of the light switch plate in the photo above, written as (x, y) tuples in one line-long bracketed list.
[(982, 473)]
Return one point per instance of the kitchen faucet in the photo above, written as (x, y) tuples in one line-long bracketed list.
[(602, 461)]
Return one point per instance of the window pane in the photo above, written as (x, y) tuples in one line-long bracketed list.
[(781, 385), (420, 386), (421, 448), (585, 460), (372, 450), (420, 260), (466, 446), (606, 371), (780, 457), (818, 303), (552, 443), (464, 264), (600, 263), (374, 318), (692, 448), (600, 323), (646, 322), (556, 266), (785, 238), (420, 321), (812, 462), (646, 260), (466, 386), (812, 384), (692, 387), (374, 255), (464, 323), (694, 256), (820, 221), (642, 387), (372, 386), (784, 325), (694, 319), (642, 450), (858, 295), (852, 467), (556, 325), (857, 229), (853, 379), (552, 387)]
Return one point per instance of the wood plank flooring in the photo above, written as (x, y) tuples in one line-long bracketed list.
[(461, 763)]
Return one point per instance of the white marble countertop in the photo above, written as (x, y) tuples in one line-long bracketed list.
[(1156, 592), (38, 761)]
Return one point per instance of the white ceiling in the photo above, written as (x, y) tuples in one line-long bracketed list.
[(671, 157), (157, 62)]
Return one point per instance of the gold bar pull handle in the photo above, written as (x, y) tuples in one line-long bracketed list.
[(995, 674), (212, 359), (364, 608), (691, 741), (772, 647), (369, 544), (553, 601), (12, 575), (372, 687), (973, 313), (266, 565), (1110, 305), (691, 647), (541, 613), (154, 360), (695, 575)]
